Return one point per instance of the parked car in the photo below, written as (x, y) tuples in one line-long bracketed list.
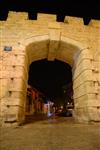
[(64, 113)]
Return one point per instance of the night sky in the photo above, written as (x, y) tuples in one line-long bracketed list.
[(50, 76)]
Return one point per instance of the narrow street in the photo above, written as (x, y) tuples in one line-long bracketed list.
[(51, 134)]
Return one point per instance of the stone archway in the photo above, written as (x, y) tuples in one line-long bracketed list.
[(46, 38), (64, 49), (69, 51)]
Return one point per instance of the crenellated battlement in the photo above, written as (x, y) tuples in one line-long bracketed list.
[(23, 16), (13, 15), (18, 26)]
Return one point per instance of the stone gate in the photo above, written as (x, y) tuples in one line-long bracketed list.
[(24, 41)]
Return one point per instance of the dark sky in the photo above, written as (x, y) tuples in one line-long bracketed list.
[(50, 76), (87, 10)]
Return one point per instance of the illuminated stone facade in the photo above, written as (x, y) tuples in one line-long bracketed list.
[(31, 40)]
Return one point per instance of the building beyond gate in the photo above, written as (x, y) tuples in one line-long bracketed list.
[(24, 41)]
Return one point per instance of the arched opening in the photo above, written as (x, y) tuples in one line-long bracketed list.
[(52, 80), (70, 52)]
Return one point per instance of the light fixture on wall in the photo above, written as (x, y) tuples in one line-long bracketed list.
[(7, 48)]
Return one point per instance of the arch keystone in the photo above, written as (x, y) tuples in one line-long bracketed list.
[(54, 43)]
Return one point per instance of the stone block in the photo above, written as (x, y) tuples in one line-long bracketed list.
[(81, 78), (73, 20), (54, 43), (82, 89), (4, 86), (83, 54), (38, 50), (12, 16), (14, 60), (85, 64), (86, 75), (79, 91), (81, 115), (81, 101), (54, 25), (94, 113), (94, 23), (46, 17), (11, 102), (16, 84), (93, 102), (15, 72)]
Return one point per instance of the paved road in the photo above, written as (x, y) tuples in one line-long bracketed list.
[(52, 134)]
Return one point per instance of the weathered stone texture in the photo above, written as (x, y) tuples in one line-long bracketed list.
[(31, 40)]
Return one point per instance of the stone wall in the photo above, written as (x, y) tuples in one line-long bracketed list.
[(31, 40)]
